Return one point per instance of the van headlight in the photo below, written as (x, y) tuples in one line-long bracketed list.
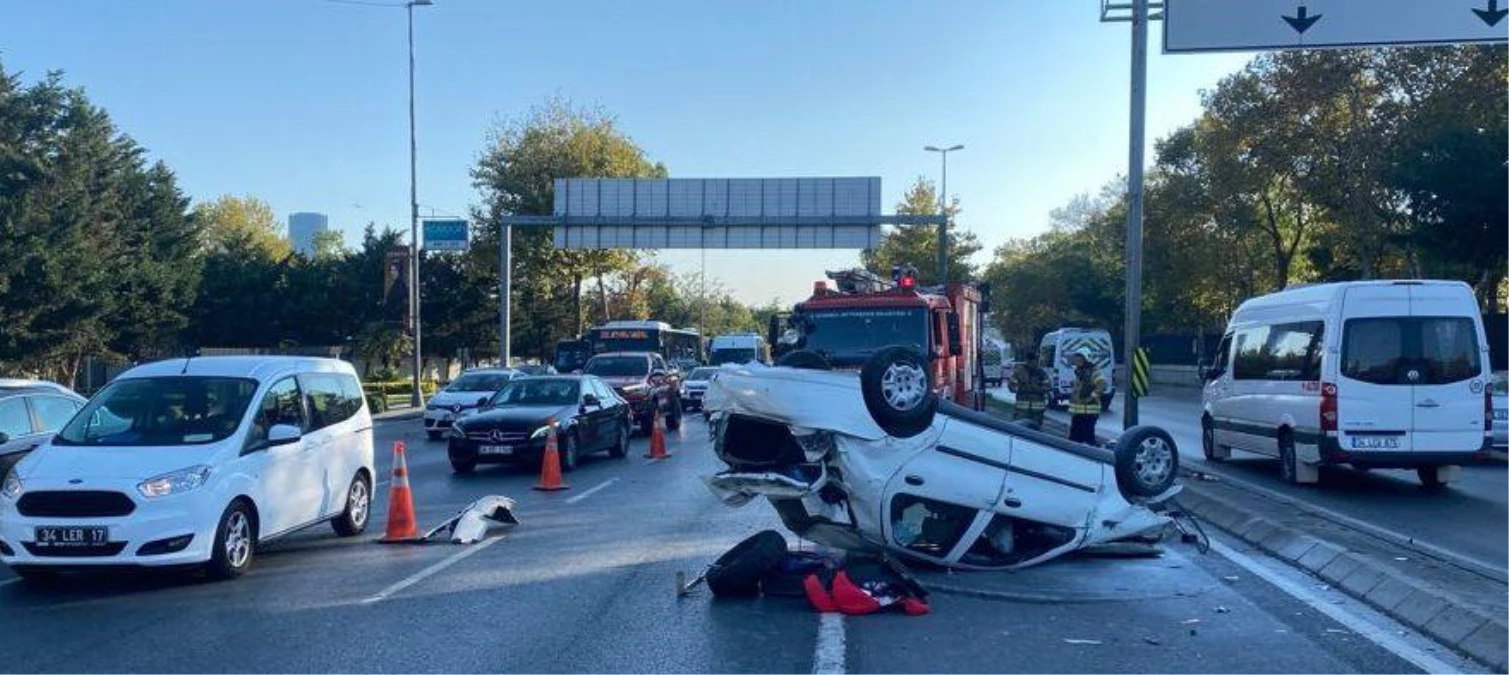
[(12, 487), (173, 483)]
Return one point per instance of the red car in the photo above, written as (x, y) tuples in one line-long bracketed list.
[(646, 381)]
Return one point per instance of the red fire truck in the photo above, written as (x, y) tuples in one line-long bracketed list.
[(845, 325)]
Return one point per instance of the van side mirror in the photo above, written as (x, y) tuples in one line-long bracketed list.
[(590, 401), (482, 402), (283, 434)]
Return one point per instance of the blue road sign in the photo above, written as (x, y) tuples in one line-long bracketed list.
[(448, 234)]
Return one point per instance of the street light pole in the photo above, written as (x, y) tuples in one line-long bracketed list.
[(1133, 329), (417, 397), (943, 210)]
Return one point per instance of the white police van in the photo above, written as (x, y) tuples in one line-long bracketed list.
[(1376, 374)]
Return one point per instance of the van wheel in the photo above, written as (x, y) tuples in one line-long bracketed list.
[(353, 520), (898, 391), (1287, 460), (1208, 442), (1430, 477), (235, 543), (1147, 462)]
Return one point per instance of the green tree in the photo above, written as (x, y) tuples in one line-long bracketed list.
[(917, 245), (516, 175), (329, 245), (243, 221)]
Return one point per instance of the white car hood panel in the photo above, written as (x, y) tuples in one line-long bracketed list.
[(68, 462), (464, 398)]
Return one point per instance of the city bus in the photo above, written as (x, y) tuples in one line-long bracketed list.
[(681, 346)]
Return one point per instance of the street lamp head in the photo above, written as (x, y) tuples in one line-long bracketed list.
[(932, 148), (421, 3), (956, 147)]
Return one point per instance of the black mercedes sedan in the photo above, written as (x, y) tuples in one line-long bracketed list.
[(513, 426)]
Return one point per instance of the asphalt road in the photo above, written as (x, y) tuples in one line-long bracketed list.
[(586, 584), (1468, 518)]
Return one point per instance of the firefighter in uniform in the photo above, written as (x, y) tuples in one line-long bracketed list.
[(1030, 384), (1084, 397)]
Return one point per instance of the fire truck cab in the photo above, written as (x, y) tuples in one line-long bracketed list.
[(865, 313)]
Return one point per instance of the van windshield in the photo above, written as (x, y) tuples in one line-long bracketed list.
[(1411, 350), (175, 410), (849, 336)]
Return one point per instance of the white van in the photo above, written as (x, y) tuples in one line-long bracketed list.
[(193, 461), (1054, 356), (738, 348), (1376, 374)]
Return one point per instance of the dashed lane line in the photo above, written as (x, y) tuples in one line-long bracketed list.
[(589, 492), (427, 572)]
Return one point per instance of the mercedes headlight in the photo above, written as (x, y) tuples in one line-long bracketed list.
[(173, 483), (456, 432), (540, 432), (12, 487)]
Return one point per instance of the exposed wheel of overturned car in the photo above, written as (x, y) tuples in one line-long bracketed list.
[(898, 391), (803, 358), (1147, 462)]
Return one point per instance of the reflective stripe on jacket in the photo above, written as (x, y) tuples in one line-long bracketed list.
[(1089, 386)]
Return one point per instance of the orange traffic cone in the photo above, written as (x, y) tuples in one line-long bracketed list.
[(550, 464), (402, 526), (657, 439)]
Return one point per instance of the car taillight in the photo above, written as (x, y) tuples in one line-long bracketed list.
[(1328, 413)]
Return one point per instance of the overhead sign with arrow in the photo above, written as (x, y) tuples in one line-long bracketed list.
[(1194, 26)]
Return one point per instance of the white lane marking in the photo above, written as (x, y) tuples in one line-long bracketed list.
[(425, 573), (1359, 625), (829, 653), (588, 493)]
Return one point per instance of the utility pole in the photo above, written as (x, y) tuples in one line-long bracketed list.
[(1133, 335), (943, 210)]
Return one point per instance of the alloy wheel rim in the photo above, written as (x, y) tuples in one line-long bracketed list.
[(901, 385), (237, 539), (1153, 462), (360, 502)]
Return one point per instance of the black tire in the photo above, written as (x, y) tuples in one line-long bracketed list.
[(235, 543), (1430, 477), (1288, 461), (1147, 462), (353, 518), (433, 435), (737, 573), (803, 358), (673, 417), (901, 371), (463, 466), (1208, 441), (568, 452), (620, 449)]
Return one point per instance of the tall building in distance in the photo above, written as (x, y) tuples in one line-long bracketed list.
[(301, 230)]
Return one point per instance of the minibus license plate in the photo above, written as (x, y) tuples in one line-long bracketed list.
[(495, 450), (72, 537), (1375, 443)]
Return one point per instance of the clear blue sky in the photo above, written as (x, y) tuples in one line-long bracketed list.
[(302, 102)]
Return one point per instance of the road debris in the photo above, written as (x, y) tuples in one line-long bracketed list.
[(1222, 610), (1078, 641), (1189, 622), (1152, 641), (1230, 578)]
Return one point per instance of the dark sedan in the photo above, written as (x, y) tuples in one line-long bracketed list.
[(514, 425)]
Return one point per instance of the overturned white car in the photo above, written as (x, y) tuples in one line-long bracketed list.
[(878, 462)]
